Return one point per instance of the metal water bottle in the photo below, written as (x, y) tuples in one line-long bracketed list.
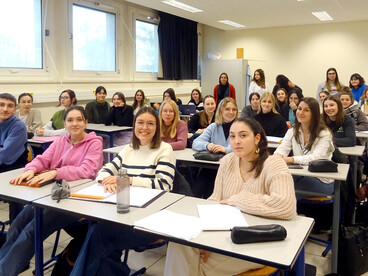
[(122, 192)]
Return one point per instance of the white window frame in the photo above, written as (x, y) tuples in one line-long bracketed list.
[(149, 17), (71, 74), (20, 75)]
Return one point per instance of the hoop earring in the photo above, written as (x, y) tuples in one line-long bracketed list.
[(257, 150)]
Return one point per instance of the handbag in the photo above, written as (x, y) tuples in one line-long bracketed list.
[(205, 155), (60, 190), (258, 233), (353, 250), (322, 165)]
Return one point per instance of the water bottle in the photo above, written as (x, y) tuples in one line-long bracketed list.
[(122, 192)]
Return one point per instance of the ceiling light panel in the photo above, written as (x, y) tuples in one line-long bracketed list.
[(181, 6), (322, 15), (231, 23)]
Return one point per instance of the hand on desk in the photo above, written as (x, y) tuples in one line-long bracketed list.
[(30, 177), (216, 148), (110, 183), (40, 131)]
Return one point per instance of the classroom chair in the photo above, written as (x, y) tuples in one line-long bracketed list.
[(264, 271), (180, 186)]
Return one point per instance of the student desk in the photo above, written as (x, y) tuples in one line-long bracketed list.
[(341, 175), (110, 130), (361, 134), (94, 210), (40, 144), (284, 254)]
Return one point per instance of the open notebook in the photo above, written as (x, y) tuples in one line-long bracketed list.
[(139, 196)]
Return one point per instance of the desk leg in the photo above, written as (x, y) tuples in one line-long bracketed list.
[(299, 266), (111, 134), (335, 226), (38, 241)]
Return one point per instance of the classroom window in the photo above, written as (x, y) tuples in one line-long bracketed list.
[(21, 34), (146, 47), (94, 37)]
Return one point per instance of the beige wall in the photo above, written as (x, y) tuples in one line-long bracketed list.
[(302, 53)]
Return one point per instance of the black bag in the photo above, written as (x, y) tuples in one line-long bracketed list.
[(258, 233), (205, 155), (322, 165), (353, 250)]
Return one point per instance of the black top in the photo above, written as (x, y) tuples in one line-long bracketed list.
[(226, 128), (284, 112), (120, 116), (194, 123), (97, 112), (288, 89), (273, 124), (344, 136), (248, 111)]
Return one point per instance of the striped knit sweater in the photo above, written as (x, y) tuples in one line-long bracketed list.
[(151, 168), (269, 195)]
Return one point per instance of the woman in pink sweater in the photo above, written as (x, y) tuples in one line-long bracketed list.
[(74, 156), (253, 182), (173, 130)]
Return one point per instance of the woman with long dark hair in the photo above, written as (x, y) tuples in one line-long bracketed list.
[(223, 89)]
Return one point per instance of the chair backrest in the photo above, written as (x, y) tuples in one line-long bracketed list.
[(180, 185)]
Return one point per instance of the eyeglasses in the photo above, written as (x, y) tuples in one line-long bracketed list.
[(140, 124), (64, 98)]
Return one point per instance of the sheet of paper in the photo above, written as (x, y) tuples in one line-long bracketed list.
[(172, 224), (46, 139), (273, 139), (220, 217), (139, 196)]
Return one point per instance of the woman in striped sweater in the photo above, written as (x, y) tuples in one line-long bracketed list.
[(150, 163), (251, 181)]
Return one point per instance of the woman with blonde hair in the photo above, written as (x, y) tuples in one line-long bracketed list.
[(173, 131), (271, 121), (258, 83), (215, 138)]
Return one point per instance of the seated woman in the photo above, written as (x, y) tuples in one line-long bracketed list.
[(357, 85), (120, 114), (215, 139), (281, 99), (196, 99), (173, 131), (309, 139), (272, 122), (351, 109), (283, 82), (74, 156), (31, 117), (252, 109), (198, 122), (341, 125), (150, 163), (322, 96), (249, 180), (97, 110), (140, 100), (363, 102), (55, 127), (288, 110), (169, 94)]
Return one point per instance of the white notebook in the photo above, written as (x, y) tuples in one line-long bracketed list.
[(220, 217), (139, 196)]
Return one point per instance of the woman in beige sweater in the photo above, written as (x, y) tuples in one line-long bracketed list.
[(250, 180)]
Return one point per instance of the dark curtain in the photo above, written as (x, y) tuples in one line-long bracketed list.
[(178, 42)]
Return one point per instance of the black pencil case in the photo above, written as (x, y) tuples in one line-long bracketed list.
[(258, 233)]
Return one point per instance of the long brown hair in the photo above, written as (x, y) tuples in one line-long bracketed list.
[(262, 81), (156, 140), (171, 130), (340, 116), (256, 128), (316, 124), (336, 81)]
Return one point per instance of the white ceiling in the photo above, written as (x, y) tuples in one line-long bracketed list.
[(264, 13)]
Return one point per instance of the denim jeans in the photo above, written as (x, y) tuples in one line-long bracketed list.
[(101, 241), (19, 247), (311, 184)]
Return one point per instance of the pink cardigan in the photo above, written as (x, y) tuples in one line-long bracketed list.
[(82, 160), (179, 142)]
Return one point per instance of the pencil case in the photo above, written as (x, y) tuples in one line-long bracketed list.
[(258, 233)]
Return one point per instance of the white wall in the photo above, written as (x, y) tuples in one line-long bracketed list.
[(46, 84), (302, 53)]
